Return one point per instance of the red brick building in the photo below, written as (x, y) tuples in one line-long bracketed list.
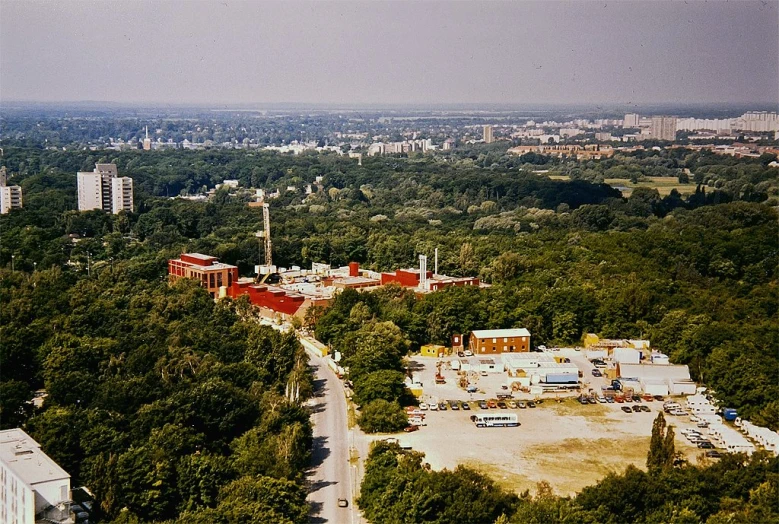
[(211, 273), (499, 341)]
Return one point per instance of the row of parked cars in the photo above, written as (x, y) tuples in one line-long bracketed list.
[(695, 437), (482, 404)]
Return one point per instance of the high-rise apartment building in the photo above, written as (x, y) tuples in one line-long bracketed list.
[(34, 487), (631, 120), (10, 196), (104, 189), (663, 128), (487, 134)]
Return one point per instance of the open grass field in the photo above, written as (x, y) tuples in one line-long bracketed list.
[(664, 185)]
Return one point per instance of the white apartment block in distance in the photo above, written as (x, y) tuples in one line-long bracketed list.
[(34, 487), (10, 196), (104, 189)]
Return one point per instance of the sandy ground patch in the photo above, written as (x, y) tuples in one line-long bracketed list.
[(567, 444)]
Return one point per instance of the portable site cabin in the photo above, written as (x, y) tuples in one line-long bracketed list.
[(488, 365), (626, 355), (763, 436), (700, 405), (432, 350), (731, 440)]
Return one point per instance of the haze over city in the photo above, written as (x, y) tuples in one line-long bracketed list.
[(233, 53)]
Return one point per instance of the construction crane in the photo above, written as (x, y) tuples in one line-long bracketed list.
[(265, 241)]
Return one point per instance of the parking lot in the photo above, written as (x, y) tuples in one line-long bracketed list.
[(561, 441)]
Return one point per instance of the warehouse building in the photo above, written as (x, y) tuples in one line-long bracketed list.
[(658, 379)]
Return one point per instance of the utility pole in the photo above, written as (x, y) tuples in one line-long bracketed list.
[(12, 263)]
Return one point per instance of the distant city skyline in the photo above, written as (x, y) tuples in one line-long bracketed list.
[(233, 53)]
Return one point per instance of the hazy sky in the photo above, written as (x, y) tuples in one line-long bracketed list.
[(226, 51)]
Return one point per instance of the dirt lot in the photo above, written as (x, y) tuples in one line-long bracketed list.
[(567, 444)]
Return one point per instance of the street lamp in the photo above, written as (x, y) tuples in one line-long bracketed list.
[(34, 267), (12, 263)]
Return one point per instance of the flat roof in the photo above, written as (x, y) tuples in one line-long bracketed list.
[(21, 454), (497, 333)]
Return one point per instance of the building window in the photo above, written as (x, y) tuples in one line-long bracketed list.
[(493, 349), (211, 279), (219, 279), (511, 349), (494, 340), (504, 348), (505, 339)]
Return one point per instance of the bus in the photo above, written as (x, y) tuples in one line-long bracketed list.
[(506, 420)]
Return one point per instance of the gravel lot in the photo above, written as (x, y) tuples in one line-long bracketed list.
[(564, 443)]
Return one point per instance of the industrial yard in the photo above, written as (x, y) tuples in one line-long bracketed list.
[(560, 440)]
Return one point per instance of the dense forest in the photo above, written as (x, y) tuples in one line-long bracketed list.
[(138, 372)]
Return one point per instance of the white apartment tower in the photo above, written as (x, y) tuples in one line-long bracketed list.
[(34, 487), (10, 196), (104, 189), (631, 120)]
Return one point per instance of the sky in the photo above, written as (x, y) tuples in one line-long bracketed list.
[(229, 52)]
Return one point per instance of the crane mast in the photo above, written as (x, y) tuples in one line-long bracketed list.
[(264, 271)]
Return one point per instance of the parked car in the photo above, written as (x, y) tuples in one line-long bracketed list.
[(583, 400), (636, 409), (596, 373), (411, 428), (492, 404), (705, 445), (468, 353), (636, 398), (342, 503), (659, 398), (602, 400), (713, 454), (423, 406), (592, 400), (502, 405), (647, 397), (483, 404), (626, 409), (531, 404), (521, 405), (466, 406), (610, 400), (442, 406), (512, 404), (484, 373), (703, 424), (645, 409), (542, 347), (461, 354), (455, 404), (471, 389), (433, 406)]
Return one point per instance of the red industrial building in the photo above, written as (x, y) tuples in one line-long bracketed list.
[(410, 278), (211, 273)]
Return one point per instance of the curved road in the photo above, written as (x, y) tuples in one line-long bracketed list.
[(332, 476)]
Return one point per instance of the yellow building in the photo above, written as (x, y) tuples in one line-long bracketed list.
[(432, 350)]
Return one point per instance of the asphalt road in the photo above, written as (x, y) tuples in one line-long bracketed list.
[(330, 476)]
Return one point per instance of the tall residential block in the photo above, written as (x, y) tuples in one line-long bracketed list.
[(487, 134), (631, 120), (664, 128), (34, 487), (104, 189), (10, 196)]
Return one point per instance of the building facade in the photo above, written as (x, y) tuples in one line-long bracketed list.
[(211, 273), (499, 341), (10, 198), (663, 128), (105, 190), (34, 487), (488, 135)]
